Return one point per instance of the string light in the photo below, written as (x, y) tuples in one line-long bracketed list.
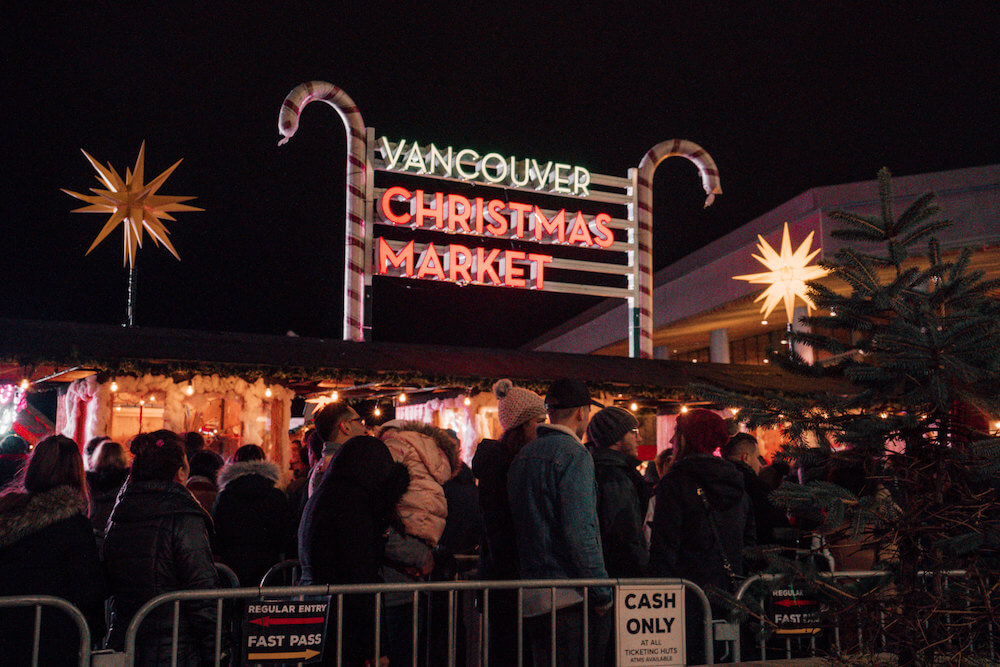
[(377, 411), (633, 407), (267, 393), (402, 397), (335, 397), (142, 402), (467, 401), (684, 409), (764, 322), (189, 390), (25, 384), (114, 386)]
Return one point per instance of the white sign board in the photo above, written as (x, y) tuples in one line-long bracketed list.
[(650, 625)]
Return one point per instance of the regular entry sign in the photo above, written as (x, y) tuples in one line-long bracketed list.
[(650, 625), (284, 631)]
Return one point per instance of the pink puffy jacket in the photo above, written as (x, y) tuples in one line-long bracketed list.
[(431, 456)]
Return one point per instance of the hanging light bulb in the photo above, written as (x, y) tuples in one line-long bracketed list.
[(764, 322), (684, 409), (402, 397), (634, 406), (467, 401), (335, 396), (114, 386), (189, 390), (267, 393), (142, 402), (377, 411)]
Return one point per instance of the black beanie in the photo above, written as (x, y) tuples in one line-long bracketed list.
[(610, 425)]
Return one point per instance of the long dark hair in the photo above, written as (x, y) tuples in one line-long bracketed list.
[(55, 461), (512, 440)]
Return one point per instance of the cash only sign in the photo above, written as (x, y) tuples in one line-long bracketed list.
[(481, 217), (650, 625)]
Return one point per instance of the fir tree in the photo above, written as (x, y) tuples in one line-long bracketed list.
[(914, 340)]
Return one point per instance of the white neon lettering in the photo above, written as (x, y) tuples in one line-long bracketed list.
[(560, 179), (435, 158), (415, 159), (581, 181), (541, 178), (390, 159), (499, 169), (473, 157)]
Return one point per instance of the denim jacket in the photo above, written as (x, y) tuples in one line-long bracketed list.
[(553, 502)]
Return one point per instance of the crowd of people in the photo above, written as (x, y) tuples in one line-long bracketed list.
[(108, 527)]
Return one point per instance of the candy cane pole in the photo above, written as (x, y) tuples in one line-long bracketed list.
[(641, 338), (354, 232)]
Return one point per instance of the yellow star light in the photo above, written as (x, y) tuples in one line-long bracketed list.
[(133, 203), (787, 275)]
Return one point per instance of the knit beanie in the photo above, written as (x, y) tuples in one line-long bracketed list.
[(703, 430), (610, 425), (516, 405)]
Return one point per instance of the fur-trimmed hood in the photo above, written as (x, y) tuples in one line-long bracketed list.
[(447, 444), (265, 469), (22, 515)]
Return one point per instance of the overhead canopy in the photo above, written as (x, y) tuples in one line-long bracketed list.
[(54, 351)]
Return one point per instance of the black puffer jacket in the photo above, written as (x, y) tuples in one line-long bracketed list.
[(622, 497), (158, 541), (498, 559), (252, 519), (47, 548), (342, 537), (683, 543), (104, 485)]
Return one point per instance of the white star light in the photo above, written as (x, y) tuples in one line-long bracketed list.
[(787, 275)]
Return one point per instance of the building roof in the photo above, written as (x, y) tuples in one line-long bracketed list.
[(52, 351), (697, 294)]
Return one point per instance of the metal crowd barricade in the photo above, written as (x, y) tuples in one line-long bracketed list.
[(39, 601), (451, 588), (849, 575)]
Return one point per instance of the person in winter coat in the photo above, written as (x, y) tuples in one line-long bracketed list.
[(342, 537), (622, 493), (252, 517), (431, 458), (520, 412), (47, 548), (703, 519), (205, 467), (158, 541), (771, 522), (109, 470)]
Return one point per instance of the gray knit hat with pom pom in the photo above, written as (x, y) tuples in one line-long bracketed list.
[(516, 405)]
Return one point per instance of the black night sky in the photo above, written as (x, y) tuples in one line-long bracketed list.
[(784, 95)]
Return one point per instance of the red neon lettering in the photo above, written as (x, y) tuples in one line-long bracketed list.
[(603, 236), (493, 213), (385, 203), (437, 212), (430, 263), (404, 258), (519, 212), (555, 225), (457, 217), (539, 268), (479, 215), (580, 233), (455, 266), (484, 265), (512, 276)]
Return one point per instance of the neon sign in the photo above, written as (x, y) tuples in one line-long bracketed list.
[(466, 164), (495, 217)]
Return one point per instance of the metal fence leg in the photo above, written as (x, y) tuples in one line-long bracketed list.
[(378, 628), (452, 648), (520, 627), (218, 633), (36, 645), (586, 626), (484, 632), (174, 642), (552, 628)]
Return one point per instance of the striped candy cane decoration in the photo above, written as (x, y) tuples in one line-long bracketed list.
[(354, 233), (644, 219)]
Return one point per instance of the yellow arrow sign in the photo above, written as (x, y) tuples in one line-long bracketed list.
[(306, 654)]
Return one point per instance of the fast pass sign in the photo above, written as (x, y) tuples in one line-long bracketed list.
[(284, 631), (493, 219)]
